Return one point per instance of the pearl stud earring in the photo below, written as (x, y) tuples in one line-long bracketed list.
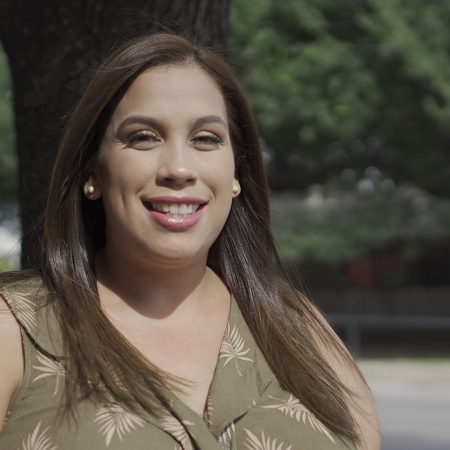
[(91, 189), (235, 189)]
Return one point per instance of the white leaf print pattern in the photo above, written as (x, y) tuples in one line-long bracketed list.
[(36, 441), (293, 407), (209, 411), (176, 429), (114, 419), (23, 308), (253, 443), (49, 368), (227, 438), (232, 347)]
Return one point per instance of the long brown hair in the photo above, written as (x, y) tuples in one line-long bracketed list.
[(244, 255)]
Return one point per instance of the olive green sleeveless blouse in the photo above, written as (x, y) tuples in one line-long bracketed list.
[(246, 409)]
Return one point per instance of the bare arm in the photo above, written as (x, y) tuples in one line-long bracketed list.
[(11, 359), (363, 409)]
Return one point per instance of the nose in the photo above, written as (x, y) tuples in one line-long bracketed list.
[(176, 166)]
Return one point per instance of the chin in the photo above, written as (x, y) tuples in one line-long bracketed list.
[(176, 258)]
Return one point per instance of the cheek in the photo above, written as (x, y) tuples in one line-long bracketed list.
[(220, 173), (120, 173)]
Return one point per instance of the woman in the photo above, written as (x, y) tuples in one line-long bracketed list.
[(160, 316)]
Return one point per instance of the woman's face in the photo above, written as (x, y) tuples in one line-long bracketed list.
[(166, 168)]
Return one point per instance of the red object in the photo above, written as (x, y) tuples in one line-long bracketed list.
[(372, 271)]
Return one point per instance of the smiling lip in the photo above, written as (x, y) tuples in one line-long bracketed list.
[(166, 219)]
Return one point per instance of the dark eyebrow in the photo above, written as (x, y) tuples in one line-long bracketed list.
[(209, 119), (141, 120)]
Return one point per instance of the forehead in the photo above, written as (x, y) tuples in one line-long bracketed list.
[(173, 91)]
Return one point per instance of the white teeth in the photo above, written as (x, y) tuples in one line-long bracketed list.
[(176, 210)]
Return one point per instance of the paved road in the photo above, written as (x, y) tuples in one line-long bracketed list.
[(413, 403)]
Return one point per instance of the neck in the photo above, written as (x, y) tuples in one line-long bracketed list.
[(155, 292)]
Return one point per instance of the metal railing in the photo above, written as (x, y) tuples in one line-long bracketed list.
[(353, 323)]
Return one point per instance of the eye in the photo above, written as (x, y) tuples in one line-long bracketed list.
[(141, 139), (207, 140)]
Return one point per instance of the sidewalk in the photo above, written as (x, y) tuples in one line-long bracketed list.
[(412, 398), (407, 370)]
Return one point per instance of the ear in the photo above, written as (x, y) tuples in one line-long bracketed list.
[(236, 192), (91, 187)]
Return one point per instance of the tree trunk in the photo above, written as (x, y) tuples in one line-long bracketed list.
[(51, 45)]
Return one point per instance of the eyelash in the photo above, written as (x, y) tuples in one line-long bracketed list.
[(140, 137), (209, 139)]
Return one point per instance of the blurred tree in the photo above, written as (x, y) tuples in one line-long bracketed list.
[(331, 226), (8, 158), (353, 83), (51, 44)]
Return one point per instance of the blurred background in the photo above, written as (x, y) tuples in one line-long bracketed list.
[(352, 100)]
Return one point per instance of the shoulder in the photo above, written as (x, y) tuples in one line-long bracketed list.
[(22, 280), (23, 300), (28, 299), (339, 359), (24, 293), (11, 353)]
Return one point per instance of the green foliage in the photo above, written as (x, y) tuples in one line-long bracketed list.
[(352, 83), (306, 87), (8, 158), (5, 265), (417, 34), (332, 226), (413, 69)]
